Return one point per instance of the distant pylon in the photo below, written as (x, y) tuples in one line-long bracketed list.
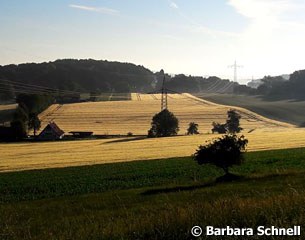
[(163, 96), (235, 66)]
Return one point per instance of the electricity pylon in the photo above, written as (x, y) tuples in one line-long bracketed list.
[(163, 96), (235, 66)]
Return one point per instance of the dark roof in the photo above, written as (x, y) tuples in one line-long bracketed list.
[(56, 129), (53, 126)]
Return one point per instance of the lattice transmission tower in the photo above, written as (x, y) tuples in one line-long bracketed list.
[(163, 95), (235, 66)]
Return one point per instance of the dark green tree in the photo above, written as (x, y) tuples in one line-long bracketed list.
[(192, 129), (18, 130), (219, 128), (34, 103), (223, 152), (34, 123), (164, 124), (21, 114), (232, 124)]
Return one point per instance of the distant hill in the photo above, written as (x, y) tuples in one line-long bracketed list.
[(97, 76), (81, 75)]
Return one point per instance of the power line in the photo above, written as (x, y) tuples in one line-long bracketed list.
[(6, 85), (226, 87), (14, 83), (214, 86)]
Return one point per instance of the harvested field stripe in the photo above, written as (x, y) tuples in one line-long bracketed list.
[(22, 156), (121, 117)]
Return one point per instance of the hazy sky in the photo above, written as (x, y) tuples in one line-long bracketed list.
[(198, 37)]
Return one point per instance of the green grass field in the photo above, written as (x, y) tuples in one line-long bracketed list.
[(159, 199), (285, 110)]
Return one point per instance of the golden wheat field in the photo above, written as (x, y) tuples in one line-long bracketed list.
[(121, 117), (7, 107), (22, 156)]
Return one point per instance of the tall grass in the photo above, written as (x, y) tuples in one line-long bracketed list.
[(130, 215)]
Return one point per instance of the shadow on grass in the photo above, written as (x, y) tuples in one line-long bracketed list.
[(130, 139), (229, 178), (177, 189), (222, 179)]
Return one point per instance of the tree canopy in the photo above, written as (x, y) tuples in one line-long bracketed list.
[(192, 129), (232, 124), (96, 76), (164, 124), (223, 152)]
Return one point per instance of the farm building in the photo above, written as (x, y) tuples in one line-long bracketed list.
[(51, 132), (81, 134)]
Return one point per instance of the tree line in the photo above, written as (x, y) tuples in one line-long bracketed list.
[(25, 117), (102, 76), (76, 75), (166, 124), (277, 88), (92, 76)]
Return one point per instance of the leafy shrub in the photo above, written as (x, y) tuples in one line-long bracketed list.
[(223, 152)]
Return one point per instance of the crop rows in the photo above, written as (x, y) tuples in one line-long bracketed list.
[(135, 116), (121, 117), (22, 156)]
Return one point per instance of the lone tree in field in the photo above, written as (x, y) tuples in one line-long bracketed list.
[(34, 123), (223, 152), (219, 128), (193, 129), (164, 124), (232, 123)]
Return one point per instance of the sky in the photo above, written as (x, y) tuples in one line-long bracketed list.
[(194, 37)]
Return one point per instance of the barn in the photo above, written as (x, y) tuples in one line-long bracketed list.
[(51, 132)]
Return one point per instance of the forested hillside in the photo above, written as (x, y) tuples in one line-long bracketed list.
[(278, 88), (92, 76), (76, 75), (70, 76)]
